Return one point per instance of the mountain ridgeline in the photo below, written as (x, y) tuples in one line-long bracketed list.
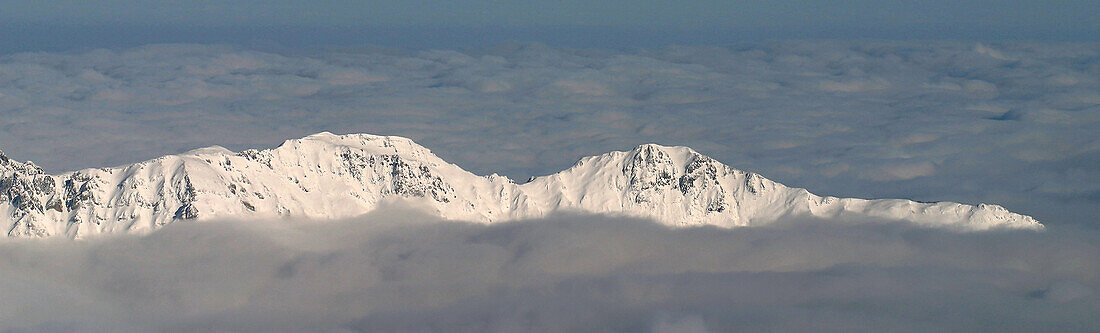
[(327, 176)]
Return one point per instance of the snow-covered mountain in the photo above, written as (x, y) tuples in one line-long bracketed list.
[(327, 176)]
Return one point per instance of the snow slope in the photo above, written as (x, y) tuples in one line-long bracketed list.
[(327, 176)]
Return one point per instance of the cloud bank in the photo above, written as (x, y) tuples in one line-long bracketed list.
[(1012, 124), (399, 270)]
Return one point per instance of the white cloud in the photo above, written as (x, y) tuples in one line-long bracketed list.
[(399, 270)]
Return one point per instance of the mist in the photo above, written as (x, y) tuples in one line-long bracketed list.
[(401, 270)]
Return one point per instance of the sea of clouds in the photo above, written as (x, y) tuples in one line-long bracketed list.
[(1007, 123), (397, 270), (1013, 124)]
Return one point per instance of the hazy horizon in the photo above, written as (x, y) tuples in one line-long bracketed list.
[(29, 26)]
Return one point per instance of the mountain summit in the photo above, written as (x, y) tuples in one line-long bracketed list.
[(327, 176)]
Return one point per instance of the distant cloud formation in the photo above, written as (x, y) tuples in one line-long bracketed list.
[(397, 270), (1007, 123)]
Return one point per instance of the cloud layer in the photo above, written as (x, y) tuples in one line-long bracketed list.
[(398, 270), (1012, 124)]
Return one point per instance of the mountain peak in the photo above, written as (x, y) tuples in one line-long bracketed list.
[(8, 164), (679, 156), (375, 143), (211, 150), (671, 150), (329, 176)]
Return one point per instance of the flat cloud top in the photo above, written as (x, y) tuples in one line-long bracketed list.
[(400, 270), (1012, 124)]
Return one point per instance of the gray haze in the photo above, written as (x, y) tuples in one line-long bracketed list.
[(399, 270), (1006, 123), (29, 25), (1061, 15)]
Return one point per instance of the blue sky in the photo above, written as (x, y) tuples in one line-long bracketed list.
[(60, 25)]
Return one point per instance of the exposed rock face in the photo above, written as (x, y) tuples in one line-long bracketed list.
[(326, 176)]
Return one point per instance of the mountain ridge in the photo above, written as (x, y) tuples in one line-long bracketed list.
[(329, 176)]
